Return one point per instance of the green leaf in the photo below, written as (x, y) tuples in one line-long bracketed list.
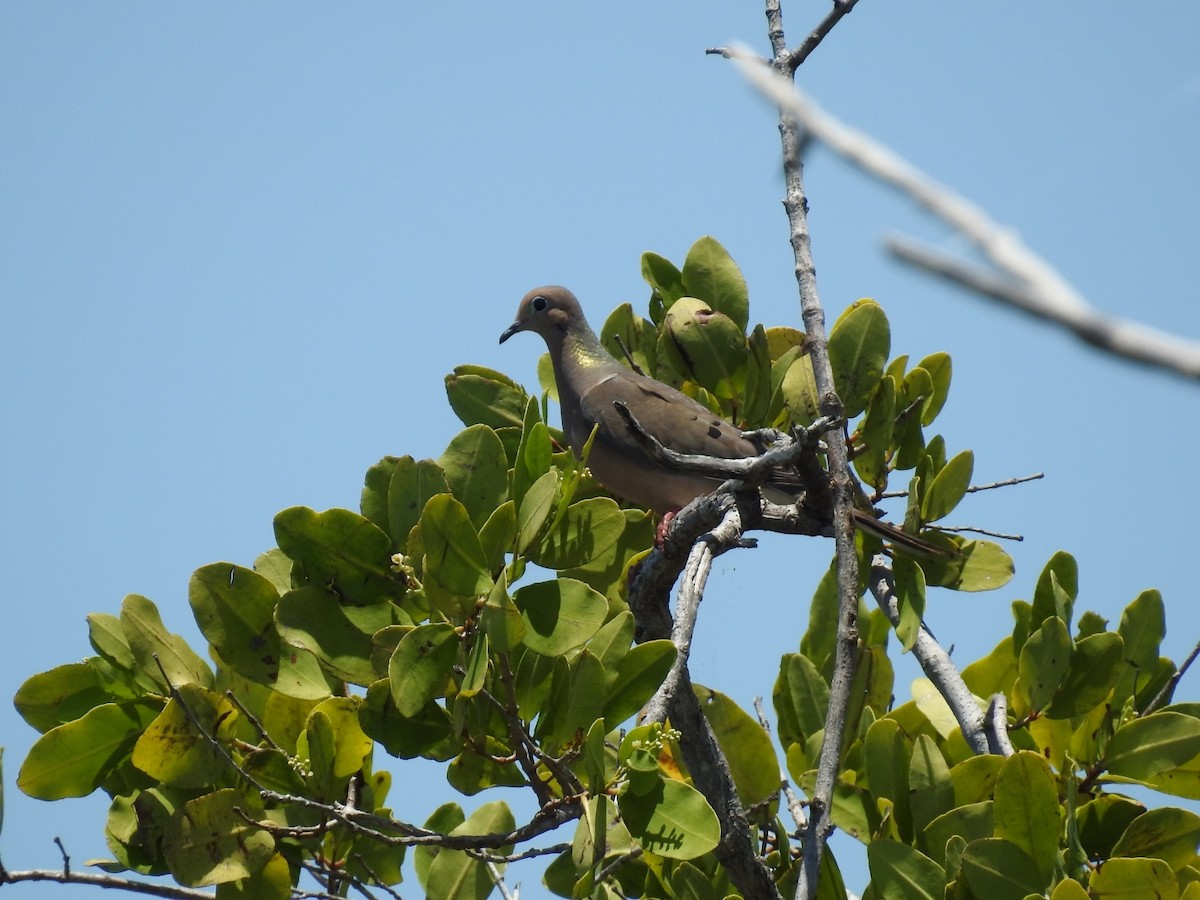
[(339, 549), (452, 874), (1095, 667), (590, 529), (798, 388), (820, 637), (274, 880), (710, 274), (672, 819), (899, 871), (351, 745), (373, 502), (639, 336), (995, 672), (756, 400), (859, 344), (1044, 661), (663, 277), (172, 751), (559, 615), (639, 673), (1057, 588), (801, 699), (1102, 821), (969, 822), (939, 368), (73, 759), (1000, 870), (948, 487), (311, 618), (481, 396), (477, 471), (209, 843), (1168, 833), (979, 566), (931, 792), (1133, 878), (910, 596), (875, 436), (705, 347), (535, 509), (1143, 627), (1153, 745), (453, 554), (61, 695), (1027, 809), (403, 736), (275, 566), (148, 638), (412, 483), (233, 607), (534, 452), (420, 666), (473, 771), (975, 778), (746, 746)]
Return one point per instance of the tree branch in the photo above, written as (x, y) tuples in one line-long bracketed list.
[(1021, 278), (105, 881)]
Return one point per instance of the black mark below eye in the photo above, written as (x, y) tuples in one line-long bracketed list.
[(539, 303)]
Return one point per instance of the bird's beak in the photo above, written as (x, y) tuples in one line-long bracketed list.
[(512, 329)]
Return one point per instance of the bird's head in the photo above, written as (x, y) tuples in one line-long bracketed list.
[(550, 311)]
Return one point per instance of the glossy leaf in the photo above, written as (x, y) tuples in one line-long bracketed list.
[(1057, 588), (1027, 809), (638, 335), (61, 695), (665, 279), (339, 549), (559, 615), (931, 793), (535, 508), (801, 698), (948, 487), (875, 436), (211, 844), (705, 347), (173, 751), (1044, 661), (970, 822), (590, 528), (710, 274), (153, 646), (746, 746), (233, 607), (420, 666), (1095, 667), (1119, 879), (798, 388), (1153, 745), (454, 557), (1000, 870), (859, 344), (481, 396), (904, 873), (939, 367), (453, 874), (672, 820), (311, 618), (639, 672), (412, 483), (1168, 833), (978, 566), (73, 759), (476, 470)]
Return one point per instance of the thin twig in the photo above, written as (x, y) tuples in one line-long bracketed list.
[(111, 882), (1168, 690), (498, 880), (974, 529), (797, 56)]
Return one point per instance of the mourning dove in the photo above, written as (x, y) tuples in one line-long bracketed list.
[(590, 381)]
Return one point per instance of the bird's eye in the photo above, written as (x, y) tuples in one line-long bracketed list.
[(540, 303)]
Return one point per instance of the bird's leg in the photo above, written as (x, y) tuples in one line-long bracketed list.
[(664, 525)]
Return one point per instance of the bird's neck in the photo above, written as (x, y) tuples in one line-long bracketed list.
[(583, 348)]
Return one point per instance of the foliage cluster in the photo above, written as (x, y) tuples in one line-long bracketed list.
[(474, 612)]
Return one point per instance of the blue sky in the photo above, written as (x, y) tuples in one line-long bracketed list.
[(241, 246)]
